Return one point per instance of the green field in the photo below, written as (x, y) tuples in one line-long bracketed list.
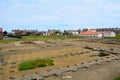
[(32, 38)]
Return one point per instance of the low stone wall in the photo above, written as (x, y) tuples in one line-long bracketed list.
[(59, 71)]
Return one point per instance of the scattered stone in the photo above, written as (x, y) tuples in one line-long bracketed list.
[(34, 79), (49, 70), (96, 60), (4, 63), (86, 65), (1, 73), (13, 67), (11, 71), (1, 68), (108, 60), (92, 63), (60, 68), (66, 77), (76, 64), (117, 58), (82, 63), (68, 66), (66, 55), (12, 78)]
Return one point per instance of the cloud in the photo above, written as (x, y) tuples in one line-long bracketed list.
[(49, 12)]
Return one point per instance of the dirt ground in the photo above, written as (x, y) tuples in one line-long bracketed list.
[(16, 52), (105, 71)]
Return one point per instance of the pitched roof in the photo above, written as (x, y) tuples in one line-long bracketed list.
[(90, 32)]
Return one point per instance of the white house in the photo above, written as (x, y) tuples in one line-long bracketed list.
[(72, 32), (108, 34), (93, 33)]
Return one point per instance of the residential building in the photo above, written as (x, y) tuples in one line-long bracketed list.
[(24, 32), (100, 34), (91, 33), (54, 32), (1, 33), (44, 33), (71, 32), (108, 33)]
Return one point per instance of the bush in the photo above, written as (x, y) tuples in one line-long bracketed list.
[(35, 63), (42, 65), (117, 78), (27, 65), (102, 54)]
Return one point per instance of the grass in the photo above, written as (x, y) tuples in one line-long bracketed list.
[(117, 78), (116, 37), (31, 38), (35, 63)]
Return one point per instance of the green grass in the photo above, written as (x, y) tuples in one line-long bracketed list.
[(31, 64), (32, 38), (117, 78), (116, 37)]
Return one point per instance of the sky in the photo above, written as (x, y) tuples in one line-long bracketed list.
[(59, 14)]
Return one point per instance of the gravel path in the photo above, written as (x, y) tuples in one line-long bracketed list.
[(105, 71)]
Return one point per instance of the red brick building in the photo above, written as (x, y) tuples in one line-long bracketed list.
[(1, 35)]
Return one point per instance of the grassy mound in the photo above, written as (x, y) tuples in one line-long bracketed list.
[(35, 63)]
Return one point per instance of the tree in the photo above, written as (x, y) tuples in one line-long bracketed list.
[(5, 33), (29, 33), (85, 29)]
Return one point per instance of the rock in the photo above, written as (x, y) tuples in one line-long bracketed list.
[(92, 63), (86, 65), (76, 64), (1, 73), (4, 63), (1, 68), (66, 77), (13, 67), (12, 78), (13, 63), (117, 58), (68, 66), (108, 60), (12, 71)]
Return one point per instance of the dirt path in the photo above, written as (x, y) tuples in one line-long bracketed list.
[(105, 71)]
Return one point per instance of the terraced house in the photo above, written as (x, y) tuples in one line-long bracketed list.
[(1, 35)]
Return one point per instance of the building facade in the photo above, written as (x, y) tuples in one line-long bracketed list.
[(1, 33), (93, 33)]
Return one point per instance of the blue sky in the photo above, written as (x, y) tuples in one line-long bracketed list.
[(59, 14)]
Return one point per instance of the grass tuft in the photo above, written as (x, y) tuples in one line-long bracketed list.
[(35, 63), (117, 78)]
